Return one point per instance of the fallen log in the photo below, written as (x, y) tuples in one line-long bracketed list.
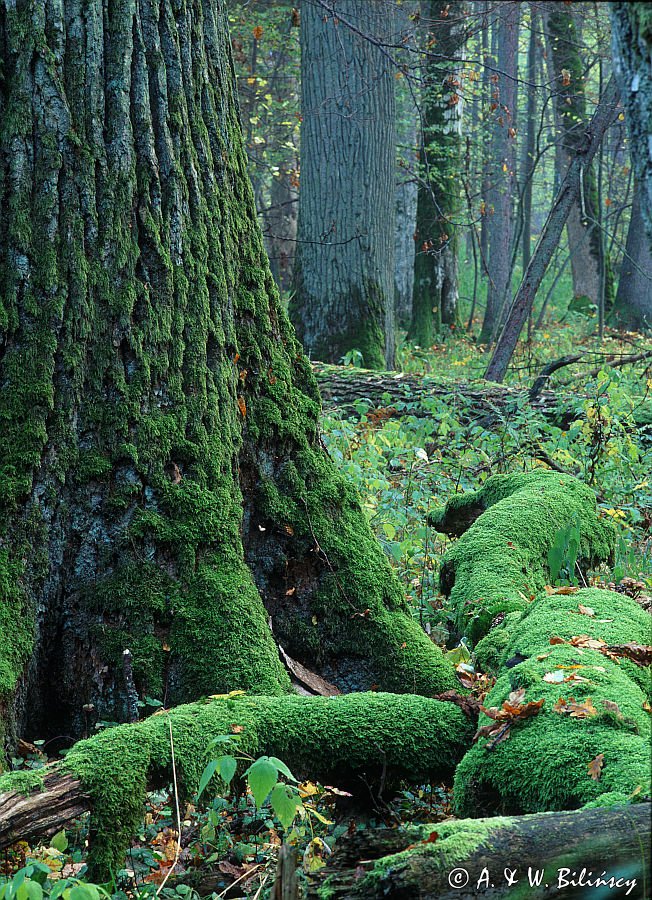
[(506, 531), (360, 741), (345, 386), (565, 854)]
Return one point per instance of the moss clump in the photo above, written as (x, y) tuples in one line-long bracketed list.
[(618, 619), (499, 564), (544, 763), (375, 735)]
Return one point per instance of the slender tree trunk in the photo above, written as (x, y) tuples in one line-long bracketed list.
[(163, 486), (407, 118), (434, 300), (632, 45), (529, 146), (281, 226), (500, 197), (633, 306), (344, 269), (487, 32), (589, 265), (551, 234)]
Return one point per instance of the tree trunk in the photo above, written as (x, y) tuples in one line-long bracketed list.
[(537, 856), (633, 306), (435, 295), (164, 489), (344, 268), (632, 47), (585, 245), (281, 227), (407, 116), (551, 234), (501, 192)]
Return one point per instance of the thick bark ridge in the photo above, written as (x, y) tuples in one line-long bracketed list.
[(344, 268)]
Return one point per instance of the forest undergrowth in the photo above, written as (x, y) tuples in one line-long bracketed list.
[(406, 460)]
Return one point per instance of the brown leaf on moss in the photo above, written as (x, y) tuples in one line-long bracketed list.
[(575, 710), (638, 653), (242, 406), (512, 711), (595, 767), (586, 611)]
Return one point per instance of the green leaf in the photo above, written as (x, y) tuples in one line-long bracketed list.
[(283, 769), (262, 775), (226, 768), (34, 890), (285, 803), (206, 775), (59, 841)]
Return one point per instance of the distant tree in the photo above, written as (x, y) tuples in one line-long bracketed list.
[(632, 46), (435, 295), (499, 200), (344, 268), (588, 259), (633, 306)]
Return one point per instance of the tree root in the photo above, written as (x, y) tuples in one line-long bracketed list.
[(359, 741)]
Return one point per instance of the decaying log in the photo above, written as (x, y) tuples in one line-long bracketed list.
[(40, 814), (344, 386), (566, 851), (360, 741)]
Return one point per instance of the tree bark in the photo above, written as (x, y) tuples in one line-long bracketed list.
[(633, 306), (502, 179), (551, 234), (632, 46), (552, 847), (163, 485), (435, 294), (585, 245), (344, 268)]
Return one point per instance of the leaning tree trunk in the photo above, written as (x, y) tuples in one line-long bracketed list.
[(344, 267), (435, 294), (163, 484), (501, 192), (633, 306), (632, 46), (587, 255)]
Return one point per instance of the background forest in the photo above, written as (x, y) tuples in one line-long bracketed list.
[(326, 447)]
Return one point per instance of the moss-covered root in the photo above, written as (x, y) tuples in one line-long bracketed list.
[(382, 737), (500, 562), (553, 846), (545, 763)]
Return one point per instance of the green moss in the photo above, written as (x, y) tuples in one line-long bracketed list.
[(618, 620), (22, 782), (378, 736), (544, 763), (499, 564)]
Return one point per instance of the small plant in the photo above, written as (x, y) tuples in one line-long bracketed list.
[(562, 556)]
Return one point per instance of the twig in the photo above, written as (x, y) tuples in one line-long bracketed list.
[(177, 852)]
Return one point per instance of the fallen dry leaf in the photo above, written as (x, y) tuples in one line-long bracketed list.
[(595, 767), (638, 653), (512, 711), (575, 710), (586, 611)]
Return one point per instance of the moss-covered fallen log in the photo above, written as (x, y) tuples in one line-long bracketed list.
[(508, 527), (590, 741), (381, 738), (546, 855)]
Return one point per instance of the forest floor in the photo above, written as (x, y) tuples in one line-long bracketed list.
[(404, 464)]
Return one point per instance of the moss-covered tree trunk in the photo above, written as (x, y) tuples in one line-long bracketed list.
[(632, 45), (344, 267), (162, 483), (435, 292), (589, 265)]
